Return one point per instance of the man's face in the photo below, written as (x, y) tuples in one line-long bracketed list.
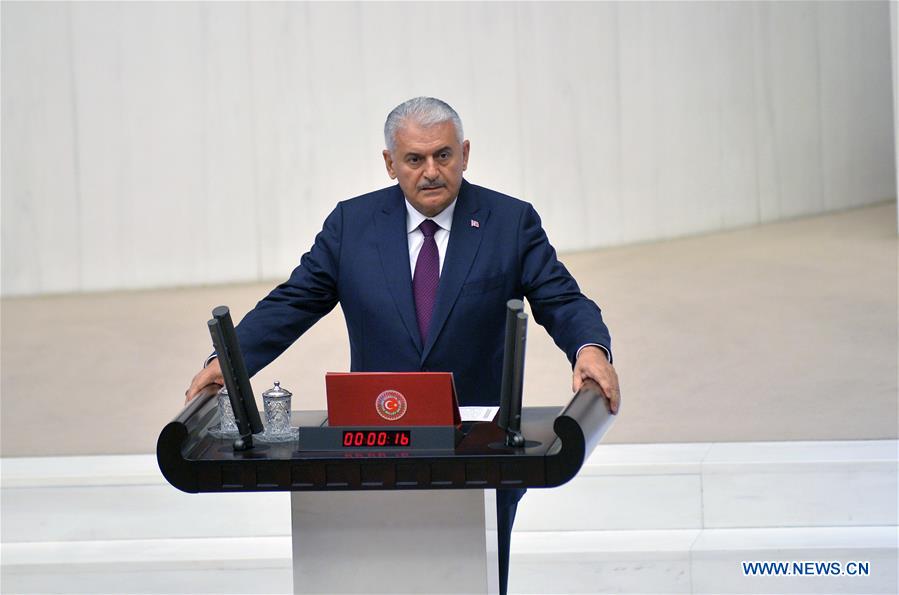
[(428, 163)]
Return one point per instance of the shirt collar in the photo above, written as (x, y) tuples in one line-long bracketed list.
[(444, 218)]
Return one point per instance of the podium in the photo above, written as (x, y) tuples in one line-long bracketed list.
[(389, 521)]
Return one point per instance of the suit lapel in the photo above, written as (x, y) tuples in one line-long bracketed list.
[(393, 246), (464, 241)]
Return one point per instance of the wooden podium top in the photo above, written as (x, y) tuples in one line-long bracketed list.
[(559, 440)]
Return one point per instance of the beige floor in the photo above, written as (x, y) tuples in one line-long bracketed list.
[(781, 332)]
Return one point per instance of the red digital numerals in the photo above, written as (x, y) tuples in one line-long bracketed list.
[(375, 438)]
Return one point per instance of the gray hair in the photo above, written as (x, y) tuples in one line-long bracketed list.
[(425, 111)]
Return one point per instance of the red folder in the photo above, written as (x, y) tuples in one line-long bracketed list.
[(392, 399)]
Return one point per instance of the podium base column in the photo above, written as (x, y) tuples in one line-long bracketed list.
[(416, 541)]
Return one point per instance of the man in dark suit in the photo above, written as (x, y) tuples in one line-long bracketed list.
[(422, 271)]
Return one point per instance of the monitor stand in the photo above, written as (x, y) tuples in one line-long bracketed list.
[(407, 541)]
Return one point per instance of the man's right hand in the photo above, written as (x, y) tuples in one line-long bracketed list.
[(211, 374)]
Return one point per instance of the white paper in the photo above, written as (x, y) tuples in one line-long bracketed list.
[(478, 413)]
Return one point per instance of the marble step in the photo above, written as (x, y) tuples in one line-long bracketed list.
[(641, 561), (699, 561), (724, 485), (213, 565), (622, 487)]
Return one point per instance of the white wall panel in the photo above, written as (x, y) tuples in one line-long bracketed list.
[(854, 95), (894, 34), (640, 153), (737, 138), (163, 93), (290, 205), (688, 121), (490, 32), (41, 206), (105, 166), (569, 140), (137, 137), (767, 161), (873, 140), (792, 78), (231, 200)]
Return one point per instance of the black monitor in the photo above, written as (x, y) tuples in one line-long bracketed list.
[(513, 373), (237, 381)]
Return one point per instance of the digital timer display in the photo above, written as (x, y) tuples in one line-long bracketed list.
[(376, 438)]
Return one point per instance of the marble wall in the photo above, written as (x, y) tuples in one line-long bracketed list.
[(167, 144)]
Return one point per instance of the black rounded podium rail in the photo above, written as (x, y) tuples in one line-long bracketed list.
[(193, 460)]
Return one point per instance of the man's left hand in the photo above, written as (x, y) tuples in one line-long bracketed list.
[(592, 364)]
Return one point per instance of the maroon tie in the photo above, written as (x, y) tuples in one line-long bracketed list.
[(426, 277)]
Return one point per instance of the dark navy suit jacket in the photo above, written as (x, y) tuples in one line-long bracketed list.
[(497, 251)]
